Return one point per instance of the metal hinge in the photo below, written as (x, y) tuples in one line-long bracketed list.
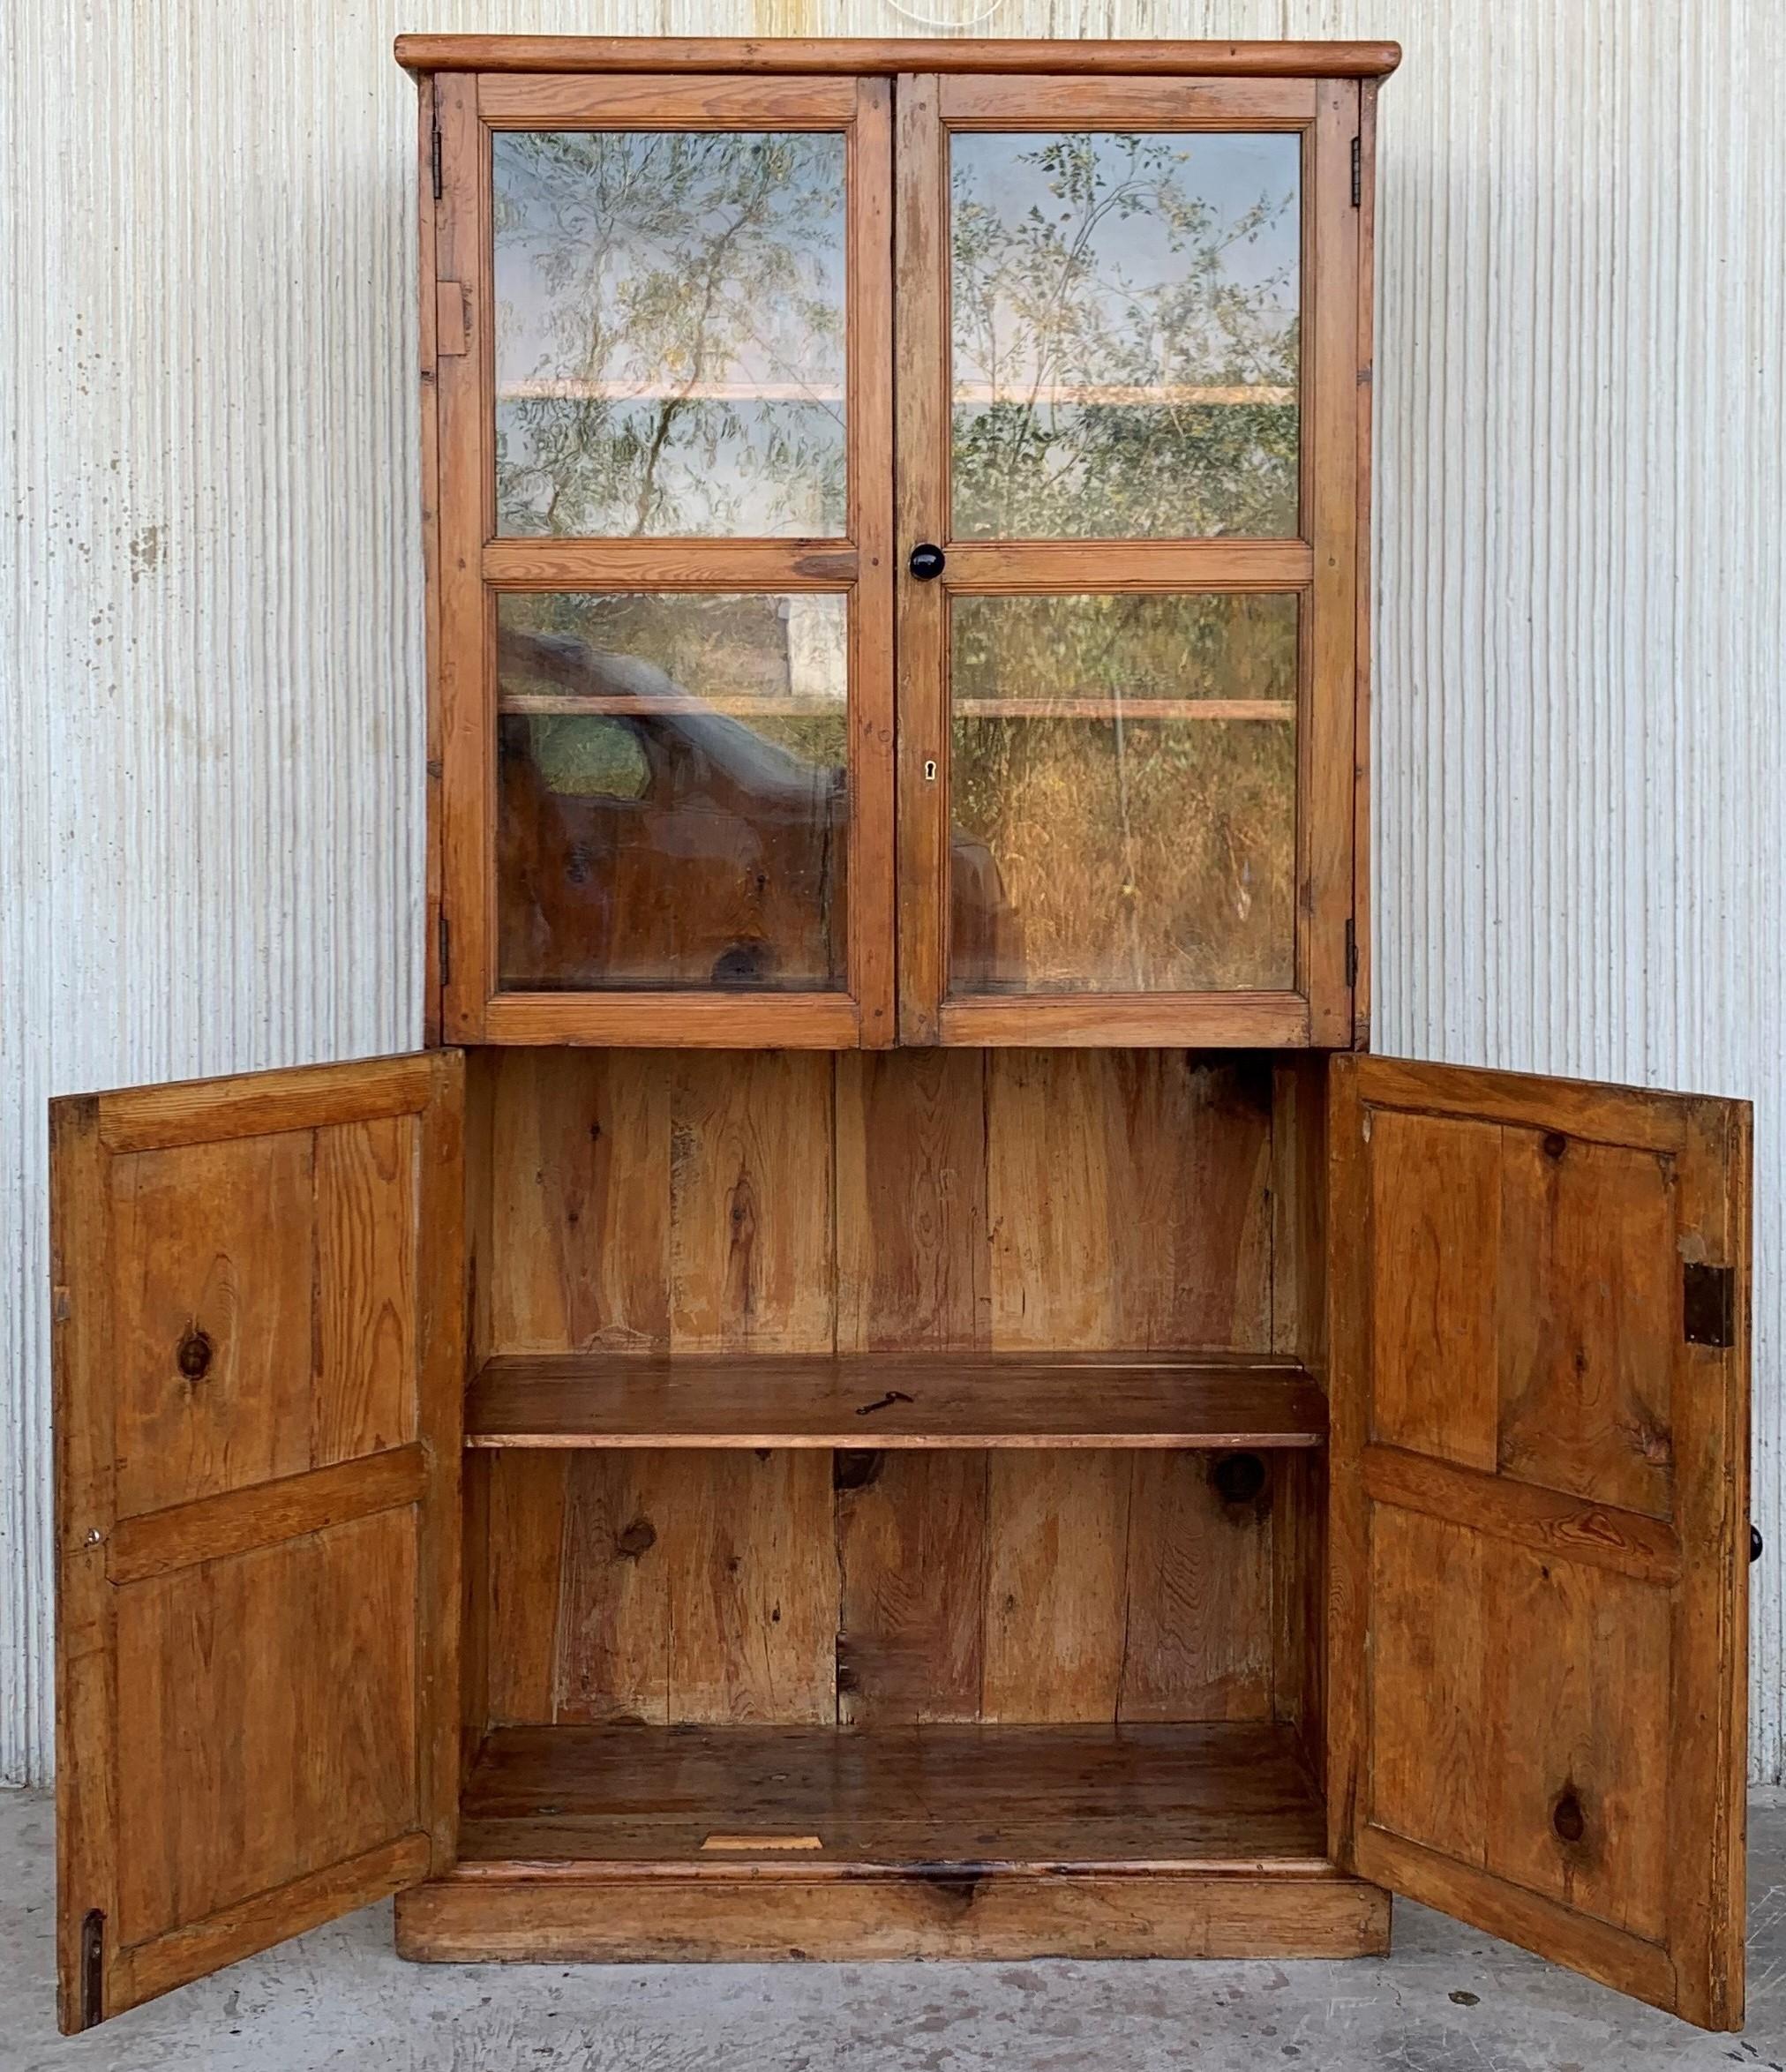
[(1351, 953), (446, 942), (1709, 1305), (434, 153), (92, 1968), (1357, 170)]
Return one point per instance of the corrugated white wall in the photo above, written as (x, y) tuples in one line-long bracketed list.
[(211, 645)]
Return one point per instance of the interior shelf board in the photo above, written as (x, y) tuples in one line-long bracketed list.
[(820, 1802), (893, 1399)]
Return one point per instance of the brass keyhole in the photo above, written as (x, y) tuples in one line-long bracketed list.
[(929, 770)]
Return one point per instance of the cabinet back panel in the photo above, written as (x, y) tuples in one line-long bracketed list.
[(890, 1588), (895, 1201), (902, 1201)]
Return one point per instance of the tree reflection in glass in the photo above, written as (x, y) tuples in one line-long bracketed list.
[(1124, 311), (669, 333), (1129, 765)]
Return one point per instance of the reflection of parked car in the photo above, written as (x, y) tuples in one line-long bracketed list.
[(649, 840)]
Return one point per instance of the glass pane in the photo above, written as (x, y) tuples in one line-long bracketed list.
[(672, 790), (669, 333), (1124, 311), (1124, 784)]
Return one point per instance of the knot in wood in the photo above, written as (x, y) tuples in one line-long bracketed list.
[(1567, 1817), (194, 1355)]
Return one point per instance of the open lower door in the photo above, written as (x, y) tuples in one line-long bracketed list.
[(258, 1313), (1538, 1337)]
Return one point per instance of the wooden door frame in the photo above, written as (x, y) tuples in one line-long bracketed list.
[(1319, 566), (473, 565)]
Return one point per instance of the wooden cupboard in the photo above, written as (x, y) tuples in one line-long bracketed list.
[(904, 1387)]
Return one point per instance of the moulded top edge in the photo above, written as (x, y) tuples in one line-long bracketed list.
[(871, 55)]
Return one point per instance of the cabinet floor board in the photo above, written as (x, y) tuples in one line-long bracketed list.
[(813, 1802)]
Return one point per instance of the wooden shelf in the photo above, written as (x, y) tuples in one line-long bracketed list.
[(817, 1802), (963, 1400)]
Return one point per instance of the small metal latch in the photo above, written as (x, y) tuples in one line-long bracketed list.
[(92, 1968), (1709, 1305)]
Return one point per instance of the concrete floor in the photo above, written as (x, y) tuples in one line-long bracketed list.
[(1447, 1998)]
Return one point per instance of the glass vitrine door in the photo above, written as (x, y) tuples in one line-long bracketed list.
[(1127, 442), (665, 556)]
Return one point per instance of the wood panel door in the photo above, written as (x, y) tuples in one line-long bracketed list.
[(258, 1376), (656, 321), (1128, 448), (1538, 1318)]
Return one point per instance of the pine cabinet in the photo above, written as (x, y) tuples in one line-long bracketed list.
[(895, 1382)]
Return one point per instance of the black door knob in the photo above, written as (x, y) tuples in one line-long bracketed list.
[(925, 562), (1754, 1544)]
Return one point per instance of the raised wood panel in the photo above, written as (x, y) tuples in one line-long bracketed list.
[(1523, 1744), (266, 1322), (1588, 1256), (214, 1317), (1570, 1701), (206, 1819), (1427, 1726), (365, 1274), (1436, 1224)]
